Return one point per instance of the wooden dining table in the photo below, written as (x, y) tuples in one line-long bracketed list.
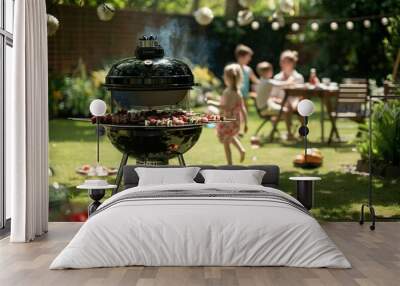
[(325, 95)]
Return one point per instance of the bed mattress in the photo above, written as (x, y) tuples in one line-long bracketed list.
[(201, 225)]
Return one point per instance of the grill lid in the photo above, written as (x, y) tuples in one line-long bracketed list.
[(149, 70)]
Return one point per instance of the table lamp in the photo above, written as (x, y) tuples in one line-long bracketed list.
[(305, 109), (98, 108)]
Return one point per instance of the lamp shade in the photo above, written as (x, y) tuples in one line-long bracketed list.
[(203, 16), (105, 11), (305, 107), (98, 107)]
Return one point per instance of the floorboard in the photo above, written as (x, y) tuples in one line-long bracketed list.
[(375, 257)]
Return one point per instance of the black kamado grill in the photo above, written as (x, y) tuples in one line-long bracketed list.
[(149, 93)]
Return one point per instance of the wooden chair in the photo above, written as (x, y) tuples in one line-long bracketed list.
[(390, 89), (352, 80), (350, 104)]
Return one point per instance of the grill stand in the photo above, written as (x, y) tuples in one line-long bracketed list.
[(124, 160), (118, 179)]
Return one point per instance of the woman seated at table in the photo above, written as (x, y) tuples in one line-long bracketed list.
[(289, 76)]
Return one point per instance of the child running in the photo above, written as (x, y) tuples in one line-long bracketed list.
[(232, 107)]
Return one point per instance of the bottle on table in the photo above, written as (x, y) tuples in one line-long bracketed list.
[(313, 80)]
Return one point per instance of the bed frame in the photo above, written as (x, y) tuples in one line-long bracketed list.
[(270, 179)]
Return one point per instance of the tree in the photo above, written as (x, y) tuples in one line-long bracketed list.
[(195, 5), (231, 8)]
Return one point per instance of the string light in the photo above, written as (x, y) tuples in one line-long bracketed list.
[(244, 17), (295, 27), (52, 25), (105, 11), (203, 16), (275, 26), (255, 25), (314, 26), (349, 25), (367, 23), (287, 6)]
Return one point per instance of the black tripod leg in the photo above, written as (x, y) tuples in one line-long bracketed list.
[(372, 211), (181, 160), (118, 179), (362, 214), (373, 217)]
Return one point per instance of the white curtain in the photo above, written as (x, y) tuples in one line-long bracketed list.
[(27, 124)]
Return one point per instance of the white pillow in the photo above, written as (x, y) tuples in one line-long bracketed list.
[(248, 177), (166, 176)]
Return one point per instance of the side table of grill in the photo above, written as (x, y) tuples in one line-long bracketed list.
[(96, 193), (305, 190)]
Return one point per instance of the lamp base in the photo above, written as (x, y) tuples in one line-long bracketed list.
[(313, 159)]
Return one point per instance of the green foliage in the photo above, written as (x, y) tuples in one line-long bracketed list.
[(266, 43), (205, 78), (71, 95), (337, 54), (263, 8), (359, 53), (209, 86), (392, 41), (386, 133), (167, 6)]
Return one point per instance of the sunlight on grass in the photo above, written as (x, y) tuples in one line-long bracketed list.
[(338, 196)]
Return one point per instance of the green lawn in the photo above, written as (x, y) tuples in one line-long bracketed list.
[(339, 194)]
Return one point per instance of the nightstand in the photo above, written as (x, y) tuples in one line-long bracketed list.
[(96, 193), (305, 190)]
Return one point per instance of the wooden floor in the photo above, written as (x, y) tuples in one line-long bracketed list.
[(375, 257)]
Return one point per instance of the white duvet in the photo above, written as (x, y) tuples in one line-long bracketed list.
[(202, 231)]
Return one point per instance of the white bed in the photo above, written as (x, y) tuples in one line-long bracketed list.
[(265, 229)]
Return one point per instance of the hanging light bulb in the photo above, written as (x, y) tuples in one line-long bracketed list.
[(255, 25), (230, 23), (334, 26), (286, 6), (105, 11), (367, 23), (278, 17), (349, 25), (244, 17), (384, 21), (295, 27), (314, 26), (52, 25), (275, 26), (203, 16)]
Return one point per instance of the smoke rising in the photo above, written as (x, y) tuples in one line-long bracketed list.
[(179, 41)]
